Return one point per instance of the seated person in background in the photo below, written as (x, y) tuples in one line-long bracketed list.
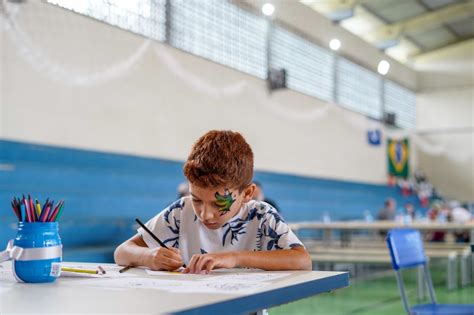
[(183, 190), (388, 211), (219, 225), (460, 215), (410, 210), (436, 214), (259, 195)]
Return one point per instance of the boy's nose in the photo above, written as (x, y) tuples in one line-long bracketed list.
[(207, 214)]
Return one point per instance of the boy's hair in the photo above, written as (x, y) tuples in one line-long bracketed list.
[(220, 158)]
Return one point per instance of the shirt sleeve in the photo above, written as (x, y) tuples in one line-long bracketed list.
[(165, 226), (276, 234)]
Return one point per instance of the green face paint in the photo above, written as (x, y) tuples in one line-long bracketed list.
[(224, 202)]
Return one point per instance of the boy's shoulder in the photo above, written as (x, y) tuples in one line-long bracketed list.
[(260, 210), (179, 207)]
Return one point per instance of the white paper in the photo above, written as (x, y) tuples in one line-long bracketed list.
[(176, 286), (165, 273), (219, 287), (249, 277)]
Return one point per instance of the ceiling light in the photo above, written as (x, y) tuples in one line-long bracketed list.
[(335, 44), (383, 67), (268, 9)]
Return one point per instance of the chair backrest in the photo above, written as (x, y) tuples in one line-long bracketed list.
[(406, 248)]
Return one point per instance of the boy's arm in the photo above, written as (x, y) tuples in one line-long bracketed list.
[(285, 259), (135, 252)]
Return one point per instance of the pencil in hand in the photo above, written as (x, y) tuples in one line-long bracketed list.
[(122, 270), (153, 235)]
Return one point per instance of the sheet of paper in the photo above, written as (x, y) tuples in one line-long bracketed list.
[(176, 286), (137, 283), (164, 273), (248, 277), (218, 287)]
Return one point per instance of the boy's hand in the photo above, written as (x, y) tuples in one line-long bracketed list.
[(207, 262), (164, 259)]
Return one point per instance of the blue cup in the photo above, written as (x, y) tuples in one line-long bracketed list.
[(41, 252)]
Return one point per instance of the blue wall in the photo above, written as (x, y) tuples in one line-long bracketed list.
[(104, 192)]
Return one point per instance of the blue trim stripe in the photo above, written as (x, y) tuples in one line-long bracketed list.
[(272, 298)]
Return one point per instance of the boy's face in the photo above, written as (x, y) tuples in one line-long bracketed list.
[(215, 206)]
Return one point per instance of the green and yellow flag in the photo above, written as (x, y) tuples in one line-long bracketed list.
[(398, 157)]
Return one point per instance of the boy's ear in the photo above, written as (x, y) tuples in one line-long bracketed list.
[(248, 192)]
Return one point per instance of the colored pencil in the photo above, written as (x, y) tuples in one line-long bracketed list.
[(45, 213), (27, 210), (53, 214), (124, 269), (151, 234), (15, 210), (38, 208), (79, 270), (34, 215), (60, 212)]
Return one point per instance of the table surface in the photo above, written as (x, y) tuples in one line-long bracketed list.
[(65, 295), (381, 225)]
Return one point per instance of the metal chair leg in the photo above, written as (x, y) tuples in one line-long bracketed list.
[(452, 273), (465, 269), (421, 283)]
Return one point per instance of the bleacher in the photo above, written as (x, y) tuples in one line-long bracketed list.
[(104, 192)]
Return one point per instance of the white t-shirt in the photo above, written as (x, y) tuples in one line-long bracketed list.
[(256, 227)]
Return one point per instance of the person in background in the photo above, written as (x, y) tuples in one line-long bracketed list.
[(387, 213), (460, 215), (259, 195), (183, 190), (436, 214), (410, 210)]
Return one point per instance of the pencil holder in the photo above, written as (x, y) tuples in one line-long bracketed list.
[(36, 252)]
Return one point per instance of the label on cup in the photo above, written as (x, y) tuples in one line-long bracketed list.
[(55, 269)]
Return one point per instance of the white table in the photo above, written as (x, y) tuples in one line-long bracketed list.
[(348, 227), (67, 296)]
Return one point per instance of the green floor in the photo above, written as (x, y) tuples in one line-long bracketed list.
[(376, 296)]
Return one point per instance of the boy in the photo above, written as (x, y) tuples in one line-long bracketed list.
[(218, 225)]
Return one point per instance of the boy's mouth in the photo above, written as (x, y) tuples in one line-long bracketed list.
[(211, 225)]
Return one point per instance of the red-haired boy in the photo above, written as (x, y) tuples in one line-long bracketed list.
[(219, 225)]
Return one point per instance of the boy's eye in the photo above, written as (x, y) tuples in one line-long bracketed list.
[(196, 200)]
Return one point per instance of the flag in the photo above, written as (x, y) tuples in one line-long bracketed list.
[(398, 157)]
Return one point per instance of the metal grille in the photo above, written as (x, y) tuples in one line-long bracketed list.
[(221, 32), (359, 89), (229, 35), (402, 102), (144, 17), (309, 67)]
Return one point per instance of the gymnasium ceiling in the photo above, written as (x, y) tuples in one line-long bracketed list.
[(404, 29)]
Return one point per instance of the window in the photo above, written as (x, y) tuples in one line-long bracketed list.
[(400, 101), (309, 67), (359, 89), (221, 32), (227, 34), (144, 17)]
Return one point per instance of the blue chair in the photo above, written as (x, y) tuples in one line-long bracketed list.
[(406, 251)]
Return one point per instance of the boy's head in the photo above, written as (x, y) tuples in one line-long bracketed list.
[(220, 170)]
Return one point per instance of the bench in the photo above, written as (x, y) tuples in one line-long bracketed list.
[(380, 255)]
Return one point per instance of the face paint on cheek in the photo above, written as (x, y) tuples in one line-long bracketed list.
[(224, 202)]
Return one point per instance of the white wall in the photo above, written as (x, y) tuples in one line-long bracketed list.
[(445, 105), (153, 110), (2, 74)]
